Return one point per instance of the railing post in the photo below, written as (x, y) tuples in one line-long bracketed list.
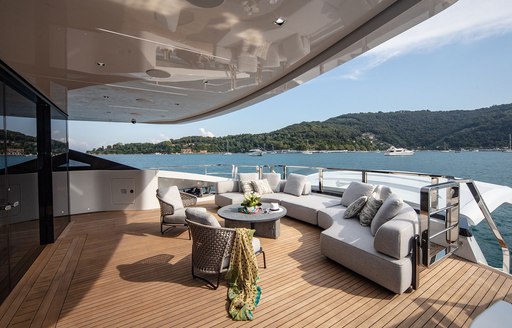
[(284, 172), (364, 176), (487, 215), (434, 194), (321, 180), (233, 171)]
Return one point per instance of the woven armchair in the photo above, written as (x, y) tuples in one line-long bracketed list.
[(211, 250), (171, 217)]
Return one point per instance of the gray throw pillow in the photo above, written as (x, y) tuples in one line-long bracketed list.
[(386, 212), (273, 180), (354, 191), (369, 210), (199, 215), (295, 184), (354, 208)]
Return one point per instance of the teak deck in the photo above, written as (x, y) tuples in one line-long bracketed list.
[(114, 269)]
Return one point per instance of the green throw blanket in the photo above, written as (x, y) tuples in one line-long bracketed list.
[(242, 276)]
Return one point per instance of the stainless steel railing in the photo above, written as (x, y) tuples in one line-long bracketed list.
[(488, 218)]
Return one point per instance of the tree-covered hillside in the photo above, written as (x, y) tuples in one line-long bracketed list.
[(481, 128)]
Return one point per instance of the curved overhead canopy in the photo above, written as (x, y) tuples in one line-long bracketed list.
[(163, 61)]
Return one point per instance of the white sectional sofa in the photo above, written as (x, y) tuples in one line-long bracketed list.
[(381, 252)]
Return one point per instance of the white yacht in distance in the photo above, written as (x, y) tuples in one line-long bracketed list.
[(255, 152), (86, 230), (392, 151)]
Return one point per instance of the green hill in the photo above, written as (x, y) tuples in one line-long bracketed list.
[(479, 128)]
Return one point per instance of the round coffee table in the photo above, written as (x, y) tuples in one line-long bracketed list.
[(266, 223)]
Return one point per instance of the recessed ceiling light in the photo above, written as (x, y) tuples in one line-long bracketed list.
[(106, 97), (100, 64), (158, 73), (280, 21)]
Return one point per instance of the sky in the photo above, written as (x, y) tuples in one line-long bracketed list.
[(460, 59)]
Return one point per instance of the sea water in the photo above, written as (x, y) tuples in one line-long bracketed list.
[(487, 166)]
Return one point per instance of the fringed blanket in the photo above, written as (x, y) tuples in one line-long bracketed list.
[(242, 276)]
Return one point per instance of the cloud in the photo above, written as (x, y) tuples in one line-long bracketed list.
[(466, 21), (161, 137), (206, 133), (79, 145)]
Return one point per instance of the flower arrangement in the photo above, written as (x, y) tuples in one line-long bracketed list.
[(251, 200)]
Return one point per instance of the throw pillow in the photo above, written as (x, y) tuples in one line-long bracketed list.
[(382, 192), (386, 212), (171, 195), (307, 188), (295, 184), (274, 180), (262, 187), (369, 210), (354, 191), (199, 215), (246, 177), (354, 208), (246, 186)]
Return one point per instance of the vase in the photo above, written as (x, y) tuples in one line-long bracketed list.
[(251, 209)]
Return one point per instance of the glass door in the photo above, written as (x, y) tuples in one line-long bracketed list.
[(4, 220)]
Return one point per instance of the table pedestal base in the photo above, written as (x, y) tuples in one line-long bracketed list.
[(269, 229)]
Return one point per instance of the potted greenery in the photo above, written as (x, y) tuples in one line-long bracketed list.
[(251, 203)]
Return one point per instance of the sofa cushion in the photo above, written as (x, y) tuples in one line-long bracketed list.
[(295, 184), (369, 210), (246, 186), (401, 230), (273, 180), (228, 198), (171, 195), (226, 186), (262, 187), (355, 207), (352, 245), (330, 214), (386, 212), (246, 177), (277, 197), (382, 192), (202, 217), (305, 208), (307, 188), (354, 191)]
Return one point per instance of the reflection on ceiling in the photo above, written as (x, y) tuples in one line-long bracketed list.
[(171, 61)]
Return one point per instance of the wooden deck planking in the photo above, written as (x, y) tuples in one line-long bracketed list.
[(124, 273)]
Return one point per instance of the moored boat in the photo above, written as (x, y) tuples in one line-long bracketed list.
[(393, 151)]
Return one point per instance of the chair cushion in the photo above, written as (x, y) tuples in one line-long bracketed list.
[(386, 212), (354, 191), (262, 187), (273, 180), (295, 184), (201, 216), (178, 217), (172, 196), (355, 207)]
